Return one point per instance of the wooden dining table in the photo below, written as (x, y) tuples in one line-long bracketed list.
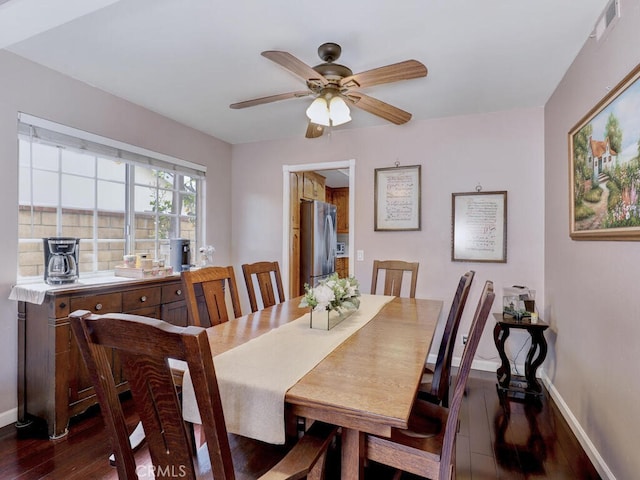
[(367, 384)]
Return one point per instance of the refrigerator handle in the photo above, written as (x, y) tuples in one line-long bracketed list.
[(330, 240)]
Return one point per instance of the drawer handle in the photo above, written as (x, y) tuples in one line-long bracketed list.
[(98, 306), (143, 298), (63, 305), (178, 292)]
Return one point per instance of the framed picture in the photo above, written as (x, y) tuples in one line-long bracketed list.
[(479, 227), (397, 198), (604, 167)]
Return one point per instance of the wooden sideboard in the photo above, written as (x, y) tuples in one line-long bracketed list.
[(53, 382)]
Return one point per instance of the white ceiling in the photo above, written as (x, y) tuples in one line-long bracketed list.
[(190, 59)]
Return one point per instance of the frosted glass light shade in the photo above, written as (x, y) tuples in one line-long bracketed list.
[(318, 112), (339, 111)]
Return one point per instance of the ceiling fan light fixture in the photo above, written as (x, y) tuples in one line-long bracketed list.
[(318, 112), (339, 111)]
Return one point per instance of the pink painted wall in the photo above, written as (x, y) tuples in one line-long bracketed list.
[(500, 151), (591, 287), (29, 88)]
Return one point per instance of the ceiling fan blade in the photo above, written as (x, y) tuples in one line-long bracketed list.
[(378, 107), (270, 98), (391, 73), (295, 66), (314, 130)]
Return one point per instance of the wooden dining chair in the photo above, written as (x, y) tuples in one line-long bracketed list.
[(427, 448), (435, 382), (393, 275), (205, 295), (266, 273), (145, 346)]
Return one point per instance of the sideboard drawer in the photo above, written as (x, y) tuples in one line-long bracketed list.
[(140, 298), (107, 303), (172, 293)]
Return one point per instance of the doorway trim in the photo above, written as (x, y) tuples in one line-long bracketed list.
[(286, 210)]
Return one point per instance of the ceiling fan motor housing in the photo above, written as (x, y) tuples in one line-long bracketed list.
[(334, 72)]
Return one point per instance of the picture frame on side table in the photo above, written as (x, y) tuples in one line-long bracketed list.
[(479, 227), (397, 202), (604, 167)]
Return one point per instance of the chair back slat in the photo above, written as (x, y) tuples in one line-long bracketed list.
[(205, 293), (266, 273), (394, 271)]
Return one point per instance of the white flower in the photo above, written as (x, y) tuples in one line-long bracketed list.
[(333, 293), (324, 296)]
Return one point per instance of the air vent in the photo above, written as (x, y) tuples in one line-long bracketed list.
[(608, 19)]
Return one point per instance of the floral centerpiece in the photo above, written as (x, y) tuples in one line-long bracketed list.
[(333, 294)]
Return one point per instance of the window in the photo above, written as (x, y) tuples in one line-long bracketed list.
[(116, 198)]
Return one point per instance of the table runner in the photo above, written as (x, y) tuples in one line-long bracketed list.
[(254, 377)]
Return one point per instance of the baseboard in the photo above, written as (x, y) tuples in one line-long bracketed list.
[(8, 417), (578, 431)]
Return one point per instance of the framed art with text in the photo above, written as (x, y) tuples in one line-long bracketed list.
[(397, 198), (604, 167), (479, 227)]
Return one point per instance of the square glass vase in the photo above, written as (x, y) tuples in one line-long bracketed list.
[(327, 319)]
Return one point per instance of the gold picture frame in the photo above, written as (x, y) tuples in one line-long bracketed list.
[(604, 167), (479, 227), (397, 202)]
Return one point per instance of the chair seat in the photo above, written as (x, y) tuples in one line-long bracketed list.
[(417, 448), (253, 459)]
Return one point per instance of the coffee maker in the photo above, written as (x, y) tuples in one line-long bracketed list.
[(61, 260), (180, 254)]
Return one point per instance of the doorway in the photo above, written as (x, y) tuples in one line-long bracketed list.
[(348, 165)]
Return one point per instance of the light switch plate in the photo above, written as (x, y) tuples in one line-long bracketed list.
[(360, 255)]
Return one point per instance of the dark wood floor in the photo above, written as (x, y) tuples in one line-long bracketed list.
[(532, 442)]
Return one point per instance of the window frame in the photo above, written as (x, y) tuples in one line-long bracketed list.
[(98, 147)]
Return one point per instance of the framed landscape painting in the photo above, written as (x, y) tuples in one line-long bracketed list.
[(604, 167)]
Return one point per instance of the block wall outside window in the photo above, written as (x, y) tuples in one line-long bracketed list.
[(41, 223)]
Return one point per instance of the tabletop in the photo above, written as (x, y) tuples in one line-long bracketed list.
[(370, 381)]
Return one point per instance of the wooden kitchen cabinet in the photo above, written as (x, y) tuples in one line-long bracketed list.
[(313, 186), (342, 267), (340, 198), (53, 382)]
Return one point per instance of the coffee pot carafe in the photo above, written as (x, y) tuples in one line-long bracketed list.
[(61, 260)]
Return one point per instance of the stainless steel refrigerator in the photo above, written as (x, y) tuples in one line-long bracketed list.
[(318, 240)]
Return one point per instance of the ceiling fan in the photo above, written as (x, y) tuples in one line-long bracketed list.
[(335, 87)]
